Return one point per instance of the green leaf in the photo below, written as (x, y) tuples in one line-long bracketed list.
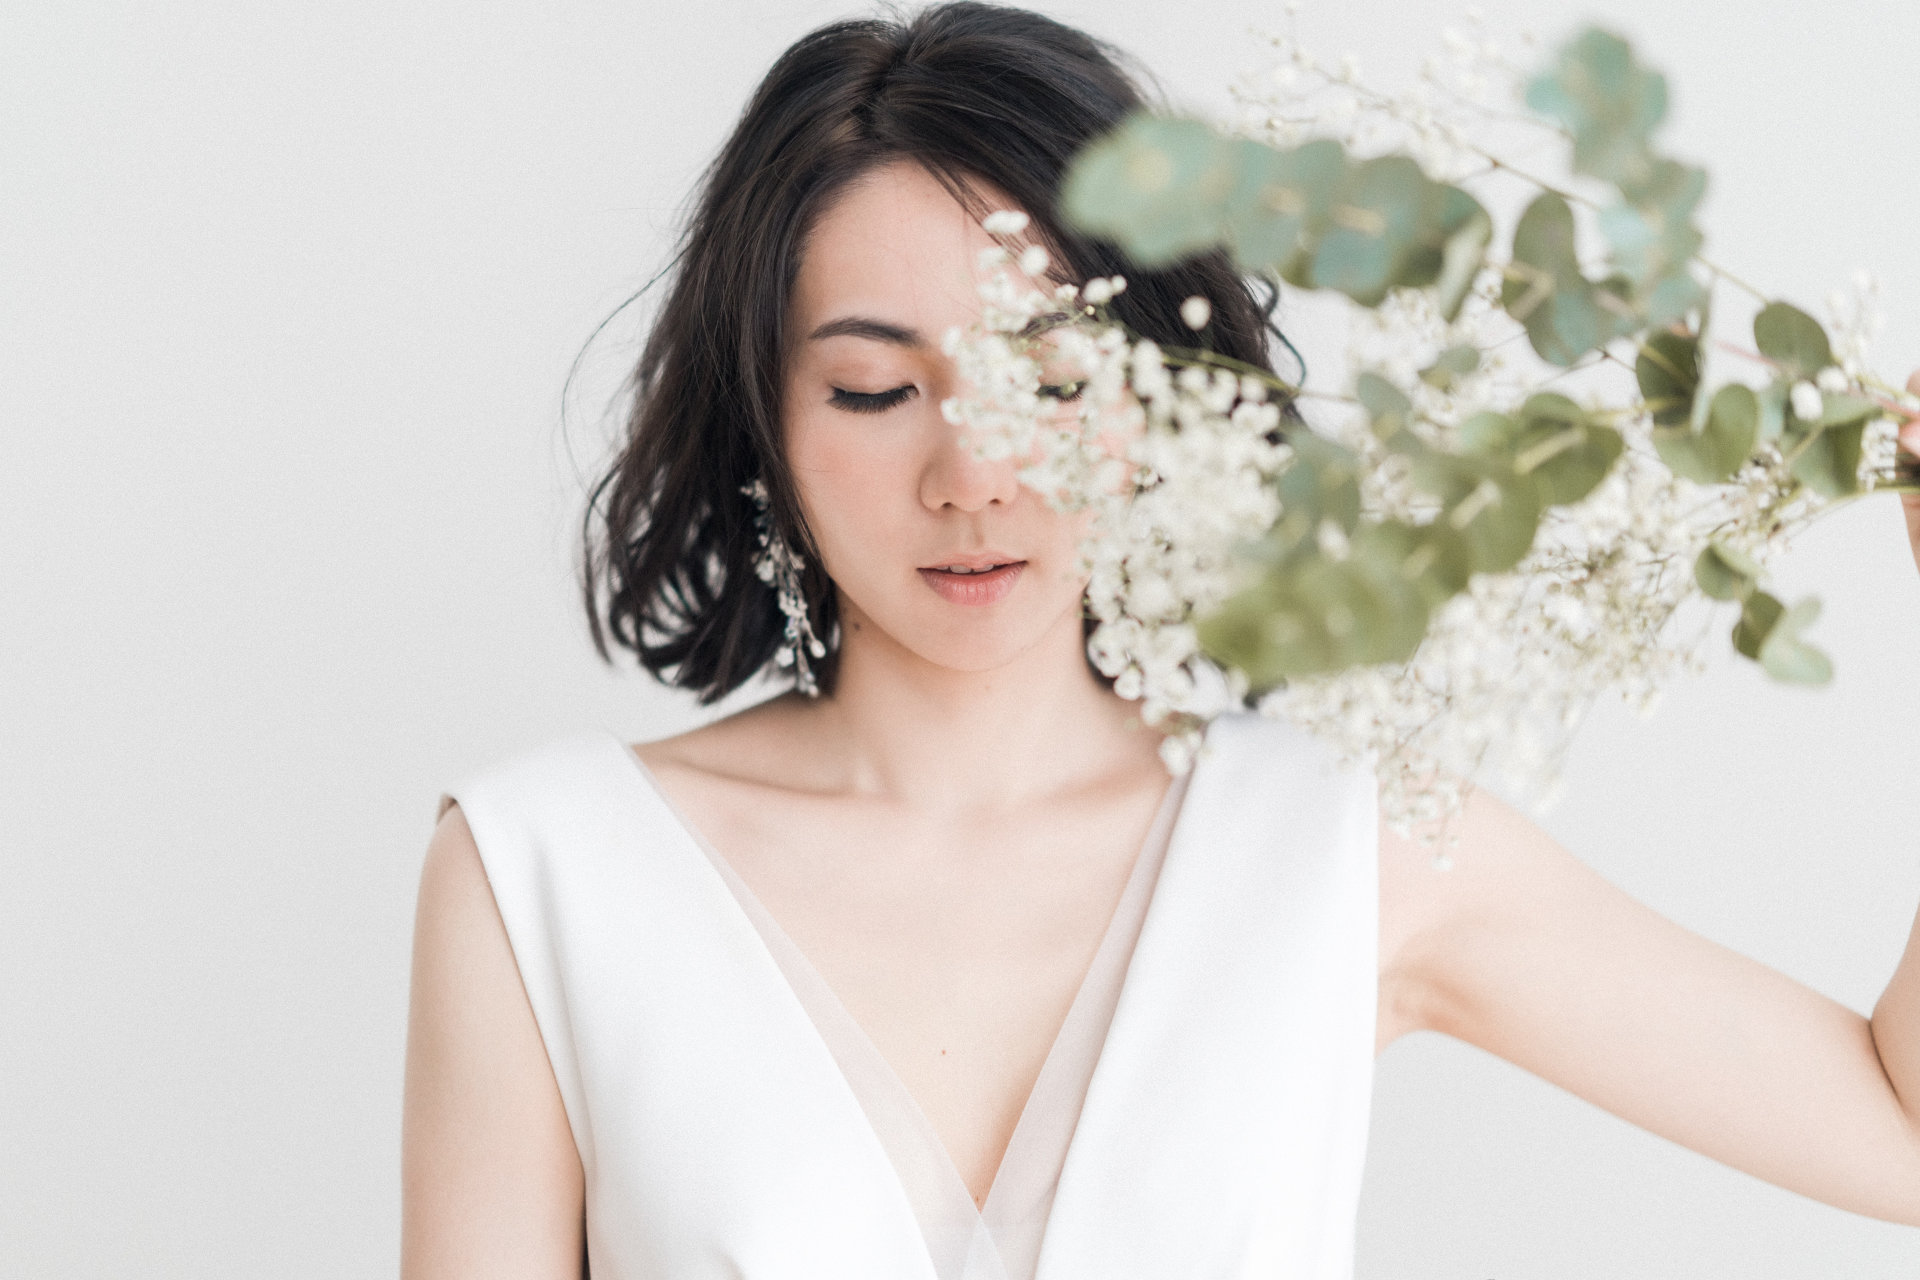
[(1309, 614), (1668, 371), (1466, 231), (1157, 186), (1759, 612), (1792, 339), (1726, 574), (1434, 558), (1607, 101), (1375, 219), (1770, 634), (1773, 411), (1488, 434), (1562, 310), (1789, 658), (1498, 519), (1568, 462), (1280, 197), (1381, 399), (1725, 441), (1842, 410), (1322, 483), (1264, 634), (1829, 464), (1672, 298), (1450, 366)]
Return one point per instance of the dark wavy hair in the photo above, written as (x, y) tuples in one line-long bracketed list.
[(972, 92)]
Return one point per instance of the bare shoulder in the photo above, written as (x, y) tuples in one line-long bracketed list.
[(490, 1175), (1434, 897), (453, 881)]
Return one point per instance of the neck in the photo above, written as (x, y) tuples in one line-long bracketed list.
[(937, 737)]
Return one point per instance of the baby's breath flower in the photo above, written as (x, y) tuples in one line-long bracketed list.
[(1805, 398), (1195, 312), (1005, 222)]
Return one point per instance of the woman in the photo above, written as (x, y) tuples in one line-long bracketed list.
[(936, 973)]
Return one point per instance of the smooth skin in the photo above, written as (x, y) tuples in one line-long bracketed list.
[(946, 838)]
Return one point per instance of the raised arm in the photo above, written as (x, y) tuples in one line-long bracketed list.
[(490, 1178), (1522, 950)]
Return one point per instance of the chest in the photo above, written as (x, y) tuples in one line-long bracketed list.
[(958, 944)]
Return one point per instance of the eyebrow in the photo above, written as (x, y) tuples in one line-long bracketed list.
[(864, 327)]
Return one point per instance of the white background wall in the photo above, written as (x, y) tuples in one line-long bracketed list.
[(288, 294)]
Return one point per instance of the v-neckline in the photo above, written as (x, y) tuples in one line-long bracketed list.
[(793, 969)]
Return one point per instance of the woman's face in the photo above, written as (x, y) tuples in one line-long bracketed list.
[(932, 549)]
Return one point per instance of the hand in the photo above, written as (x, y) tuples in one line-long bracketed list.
[(1910, 502)]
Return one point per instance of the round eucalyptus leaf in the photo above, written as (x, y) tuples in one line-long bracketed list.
[(1156, 186), (1759, 613), (1263, 634), (1829, 464), (1467, 230), (1488, 434), (1792, 339), (1607, 101), (1322, 483), (1386, 405), (1785, 654), (1724, 573), (1546, 292), (1773, 411), (1432, 558), (1278, 201), (1550, 408), (1450, 366), (1668, 371), (1374, 221), (1498, 520), (1567, 461), (1670, 300), (1724, 443), (1843, 410)]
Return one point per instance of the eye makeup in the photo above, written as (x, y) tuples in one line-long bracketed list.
[(869, 402)]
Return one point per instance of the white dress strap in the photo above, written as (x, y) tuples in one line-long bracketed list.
[(719, 1139), (1225, 1127)]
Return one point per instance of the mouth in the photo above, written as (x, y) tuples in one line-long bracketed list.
[(975, 580)]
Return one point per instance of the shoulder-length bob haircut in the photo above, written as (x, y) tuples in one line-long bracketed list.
[(972, 92)]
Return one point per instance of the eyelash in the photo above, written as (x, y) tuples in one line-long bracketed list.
[(881, 401), (869, 402)]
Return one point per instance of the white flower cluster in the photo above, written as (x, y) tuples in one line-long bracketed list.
[(1177, 464), (1174, 468)]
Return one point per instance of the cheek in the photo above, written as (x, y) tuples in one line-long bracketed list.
[(854, 480)]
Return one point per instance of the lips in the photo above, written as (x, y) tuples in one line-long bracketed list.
[(974, 580)]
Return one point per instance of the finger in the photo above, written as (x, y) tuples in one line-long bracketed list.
[(1913, 382)]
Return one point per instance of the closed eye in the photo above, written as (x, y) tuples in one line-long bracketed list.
[(870, 401), (1063, 390)]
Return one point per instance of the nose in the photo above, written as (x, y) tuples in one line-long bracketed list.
[(955, 477)]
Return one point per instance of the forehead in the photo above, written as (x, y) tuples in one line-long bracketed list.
[(895, 245)]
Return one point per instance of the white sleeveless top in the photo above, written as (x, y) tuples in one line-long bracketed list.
[(1202, 1113)]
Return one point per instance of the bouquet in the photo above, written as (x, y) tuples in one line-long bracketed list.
[(1552, 450)]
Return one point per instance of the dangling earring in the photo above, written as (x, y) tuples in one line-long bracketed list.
[(778, 567)]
